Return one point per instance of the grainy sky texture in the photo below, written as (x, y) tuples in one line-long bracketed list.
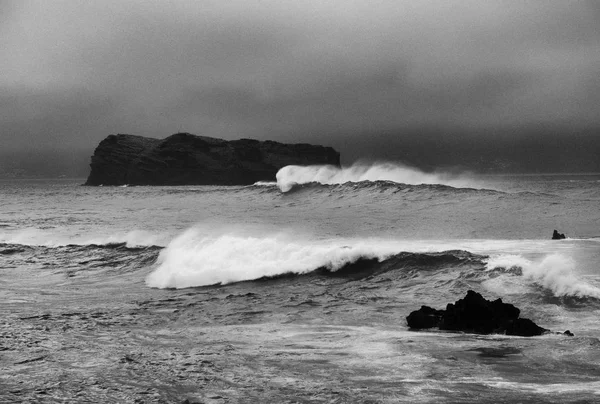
[(433, 83)]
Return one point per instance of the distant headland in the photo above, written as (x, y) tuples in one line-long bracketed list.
[(186, 159)]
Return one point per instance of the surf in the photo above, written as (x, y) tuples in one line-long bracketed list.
[(292, 175), (199, 257), (555, 272), (48, 238)]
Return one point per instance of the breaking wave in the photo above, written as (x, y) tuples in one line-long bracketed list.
[(555, 272), (74, 259), (197, 259), (427, 191), (200, 258), (204, 256), (37, 237), (289, 176)]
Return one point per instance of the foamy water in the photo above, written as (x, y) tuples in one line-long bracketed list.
[(326, 174), (556, 272), (49, 238), (327, 268)]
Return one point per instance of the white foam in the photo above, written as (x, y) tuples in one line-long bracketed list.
[(205, 255), (197, 258), (265, 184), (505, 284), (38, 237), (556, 272), (547, 388), (327, 174), (134, 238), (507, 261)]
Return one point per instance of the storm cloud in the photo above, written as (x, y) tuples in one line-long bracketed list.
[(377, 79)]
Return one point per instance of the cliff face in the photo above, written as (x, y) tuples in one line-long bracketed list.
[(186, 159)]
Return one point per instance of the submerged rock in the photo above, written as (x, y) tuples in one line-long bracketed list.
[(475, 314), (186, 159), (557, 236)]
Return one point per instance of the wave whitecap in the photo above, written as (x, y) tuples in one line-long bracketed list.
[(37, 237), (197, 259), (289, 176), (555, 272), (203, 256)]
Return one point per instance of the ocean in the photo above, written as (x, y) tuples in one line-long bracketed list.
[(297, 290)]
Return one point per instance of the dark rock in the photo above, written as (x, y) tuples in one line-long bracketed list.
[(558, 236), (425, 317), (524, 327), (186, 159), (475, 314), (568, 333)]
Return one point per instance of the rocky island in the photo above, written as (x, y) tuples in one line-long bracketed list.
[(186, 159), (475, 314)]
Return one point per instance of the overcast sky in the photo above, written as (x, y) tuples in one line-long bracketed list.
[(352, 74)]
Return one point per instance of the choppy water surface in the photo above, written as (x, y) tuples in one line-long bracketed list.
[(241, 294)]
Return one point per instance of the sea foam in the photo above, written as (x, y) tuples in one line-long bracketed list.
[(555, 272), (203, 256), (289, 176), (197, 258), (45, 238)]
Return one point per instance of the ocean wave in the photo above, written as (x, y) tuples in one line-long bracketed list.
[(386, 186), (73, 260), (554, 272), (37, 237), (410, 261), (196, 258), (265, 184), (12, 248), (289, 176)]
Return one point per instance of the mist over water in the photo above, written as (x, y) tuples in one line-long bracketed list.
[(395, 172), (199, 257), (555, 272), (204, 256), (47, 238)]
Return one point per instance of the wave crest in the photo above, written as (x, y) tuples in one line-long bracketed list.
[(427, 190), (37, 237), (555, 272), (196, 259), (291, 175), (199, 258)]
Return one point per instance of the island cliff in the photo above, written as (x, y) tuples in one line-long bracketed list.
[(186, 159)]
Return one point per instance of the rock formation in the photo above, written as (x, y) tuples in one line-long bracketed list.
[(475, 314), (186, 159), (557, 236)]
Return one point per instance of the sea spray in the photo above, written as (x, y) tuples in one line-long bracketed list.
[(555, 272), (291, 175), (47, 238), (198, 259)]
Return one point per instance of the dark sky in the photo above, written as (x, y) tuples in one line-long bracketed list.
[(434, 83)]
